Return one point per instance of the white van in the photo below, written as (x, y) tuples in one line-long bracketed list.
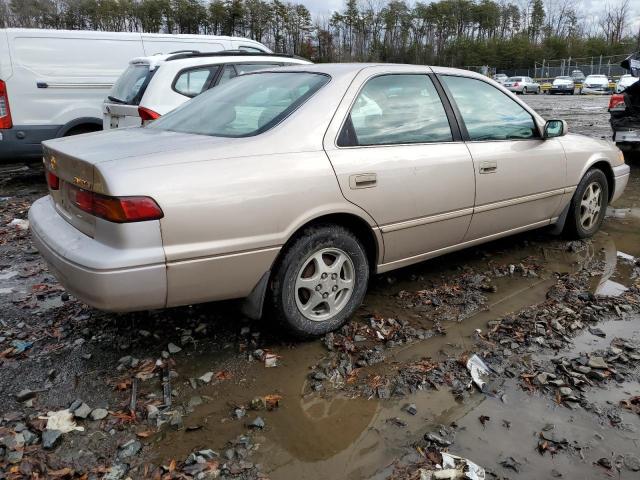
[(53, 82)]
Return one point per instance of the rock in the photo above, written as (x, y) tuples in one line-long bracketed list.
[(632, 463), (176, 421), (597, 362), (30, 438), (438, 440), (206, 378), (173, 348), (598, 332), (50, 438), (82, 411), (195, 401), (604, 462), (257, 423), (565, 391), (25, 395), (116, 472), (14, 456), (98, 414), (129, 449), (411, 409), (542, 378)]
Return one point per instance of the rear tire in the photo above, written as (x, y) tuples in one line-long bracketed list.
[(524, 91), (320, 280), (588, 205)]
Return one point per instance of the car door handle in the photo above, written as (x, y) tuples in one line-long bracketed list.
[(363, 180), (488, 167)]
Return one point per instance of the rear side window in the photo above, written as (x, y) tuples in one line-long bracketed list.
[(488, 113), (248, 106), (129, 88), (192, 82), (227, 74), (231, 71), (396, 109)]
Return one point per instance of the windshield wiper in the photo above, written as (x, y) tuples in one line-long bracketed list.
[(114, 99)]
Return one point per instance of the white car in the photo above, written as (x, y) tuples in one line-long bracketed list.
[(625, 82), (522, 85), (53, 82), (155, 85), (596, 84)]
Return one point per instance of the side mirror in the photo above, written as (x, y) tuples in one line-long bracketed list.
[(555, 128)]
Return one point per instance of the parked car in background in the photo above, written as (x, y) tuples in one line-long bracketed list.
[(522, 85), (284, 187), (563, 85), (624, 111), (155, 85), (577, 76), (500, 78), (596, 84), (53, 82), (624, 82)]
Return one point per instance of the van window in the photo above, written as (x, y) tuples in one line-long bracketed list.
[(155, 46), (244, 48), (130, 86), (74, 57)]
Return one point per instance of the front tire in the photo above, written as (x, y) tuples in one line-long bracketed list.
[(588, 205), (320, 281)]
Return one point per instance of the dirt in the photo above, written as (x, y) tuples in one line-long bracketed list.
[(355, 404)]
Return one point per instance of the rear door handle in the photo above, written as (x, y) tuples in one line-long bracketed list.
[(363, 180), (488, 167)]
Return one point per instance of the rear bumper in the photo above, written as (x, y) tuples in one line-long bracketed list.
[(24, 141), (626, 136), (561, 89), (596, 91), (621, 177), (115, 284)]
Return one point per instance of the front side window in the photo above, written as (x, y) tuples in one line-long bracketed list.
[(488, 113), (397, 109), (193, 82), (248, 106)]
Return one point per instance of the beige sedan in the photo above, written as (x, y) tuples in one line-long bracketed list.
[(291, 187)]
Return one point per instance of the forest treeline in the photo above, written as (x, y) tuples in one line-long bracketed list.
[(502, 33)]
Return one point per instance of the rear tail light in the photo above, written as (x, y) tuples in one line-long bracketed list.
[(516, 84), (147, 114), (616, 102), (52, 180), (116, 209), (5, 112)]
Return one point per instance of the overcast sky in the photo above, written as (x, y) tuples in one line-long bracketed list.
[(324, 8)]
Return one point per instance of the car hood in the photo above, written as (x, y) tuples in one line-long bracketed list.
[(99, 147)]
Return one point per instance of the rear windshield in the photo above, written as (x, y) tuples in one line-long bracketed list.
[(515, 79), (248, 105), (130, 86)]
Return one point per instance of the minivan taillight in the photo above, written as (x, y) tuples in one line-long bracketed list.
[(147, 114), (52, 180), (616, 102), (5, 112), (516, 84), (116, 209)]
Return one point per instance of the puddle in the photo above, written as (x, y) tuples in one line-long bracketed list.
[(318, 436), (628, 328)]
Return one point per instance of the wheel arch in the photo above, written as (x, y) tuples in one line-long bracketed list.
[(369, 235), (93, 124), (606, 168)]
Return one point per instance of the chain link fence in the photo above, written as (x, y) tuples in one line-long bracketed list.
[(549, 69)]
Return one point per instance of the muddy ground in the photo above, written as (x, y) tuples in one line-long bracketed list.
[(192, 393)]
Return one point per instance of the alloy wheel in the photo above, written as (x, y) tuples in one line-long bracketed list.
[(324, 284), (590, 205)]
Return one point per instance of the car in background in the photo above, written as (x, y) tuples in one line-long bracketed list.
[(522, 85), (563, 85), (283, 188), (624, 82), (500, 78), (577, 76), (596, 85), (153, 86), (53, 82)]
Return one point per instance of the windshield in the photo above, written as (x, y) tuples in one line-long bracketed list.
[(563, 78), (130, 86), (245, 106)]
